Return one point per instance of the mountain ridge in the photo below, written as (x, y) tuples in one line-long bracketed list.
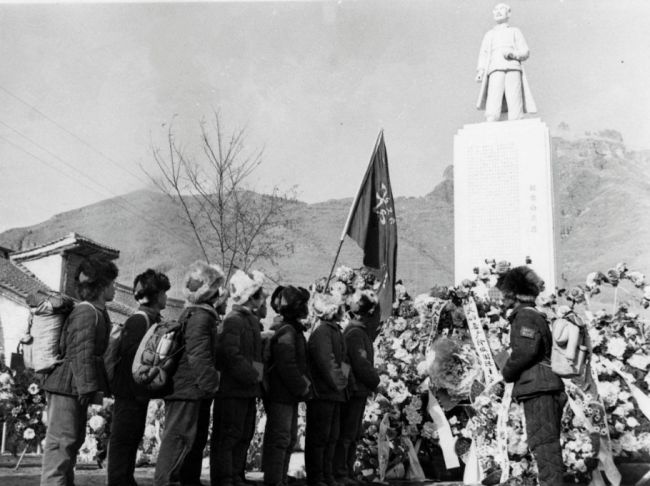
[(602, 194)]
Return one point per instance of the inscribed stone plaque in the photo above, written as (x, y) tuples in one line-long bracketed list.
[(503, 197)]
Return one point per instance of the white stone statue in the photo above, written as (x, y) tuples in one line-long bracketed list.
[(500, 71)]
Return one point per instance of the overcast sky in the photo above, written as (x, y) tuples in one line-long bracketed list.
[(92, 87)]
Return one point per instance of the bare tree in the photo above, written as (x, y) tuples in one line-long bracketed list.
[(232, 224)]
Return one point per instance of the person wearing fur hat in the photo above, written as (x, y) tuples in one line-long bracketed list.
[(195, 380), (363, 381), (240, 349), (329, 373), (288, 383), (529, 367), (131, 400)]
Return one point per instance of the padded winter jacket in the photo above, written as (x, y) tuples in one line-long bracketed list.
[(196, 376), (529, 364), (239, 346), (288, 374), (364, 378), (82, 344), (326, 351)]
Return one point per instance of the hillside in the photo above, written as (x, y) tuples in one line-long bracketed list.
[(603, 195)]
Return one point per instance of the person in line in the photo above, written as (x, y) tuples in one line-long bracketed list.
[(363, 381), (288, 383), (191, 469), (131, 400), (329, 374), (196, 377), (240, 359), (80, 379), (529, 366)]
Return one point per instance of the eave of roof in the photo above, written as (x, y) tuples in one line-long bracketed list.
[(73, 241)]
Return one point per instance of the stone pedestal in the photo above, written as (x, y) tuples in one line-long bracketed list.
[(503, 197)]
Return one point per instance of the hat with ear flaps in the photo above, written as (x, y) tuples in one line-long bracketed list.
[(243, 285), (363, 302), (202, 282), (522, 282), (326, 306)]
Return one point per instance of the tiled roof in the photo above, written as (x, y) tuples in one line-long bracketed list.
[(19, 279), (72, 240)]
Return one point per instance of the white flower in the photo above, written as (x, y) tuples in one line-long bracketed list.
[(33, 389), (639, 360), (150, 431), (616, 347), (29, 434), (632, 422), (403, 355), (609, 391), (391, 369), (96, 423), (629, 442), (6, 380), (595, 336)]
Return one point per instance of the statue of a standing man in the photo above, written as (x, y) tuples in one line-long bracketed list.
[(500, 72)]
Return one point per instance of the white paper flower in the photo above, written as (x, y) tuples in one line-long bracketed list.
[(639, 360), (96, 423), (33, 389), (632, 422), (629, 442), (609, 391), (29, 434), (616, 347)]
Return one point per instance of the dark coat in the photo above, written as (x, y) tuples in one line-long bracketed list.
[(364, 378), (529, 365), (239, 345), (288, 374), (83, 341), (326, 354), (135, 327), (196, 376)]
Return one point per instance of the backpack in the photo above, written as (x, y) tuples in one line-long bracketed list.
[(570, 346), (41, 347), (112, 354), (158, 353)]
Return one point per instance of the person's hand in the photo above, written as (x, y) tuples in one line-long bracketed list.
[(85, 399), (479, 75), (510, 56)]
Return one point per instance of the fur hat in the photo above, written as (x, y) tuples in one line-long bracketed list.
[(293, 301), (363, 302), (521, 282), (326, 306), (275, 298), (243, 285), (202, 282)]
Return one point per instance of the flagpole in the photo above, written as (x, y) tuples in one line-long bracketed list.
[(353, 207)]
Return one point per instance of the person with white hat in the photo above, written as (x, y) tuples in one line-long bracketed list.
[(240, 360), (195, 380), (329, 373)]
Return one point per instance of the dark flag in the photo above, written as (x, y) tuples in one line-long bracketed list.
[(373, 225)]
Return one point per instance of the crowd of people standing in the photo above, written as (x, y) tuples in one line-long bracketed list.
[(224, 370)]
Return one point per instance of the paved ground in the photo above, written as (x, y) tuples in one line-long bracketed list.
[(29, 476)]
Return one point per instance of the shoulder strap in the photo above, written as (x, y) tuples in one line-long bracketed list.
[(146, 317)]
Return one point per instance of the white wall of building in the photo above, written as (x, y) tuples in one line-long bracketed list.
[(48, 269), (13, 319)]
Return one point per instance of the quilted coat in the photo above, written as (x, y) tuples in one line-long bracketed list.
[(364, 378), (326, 354), (196, 376), (239, 345), (83, 341)]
